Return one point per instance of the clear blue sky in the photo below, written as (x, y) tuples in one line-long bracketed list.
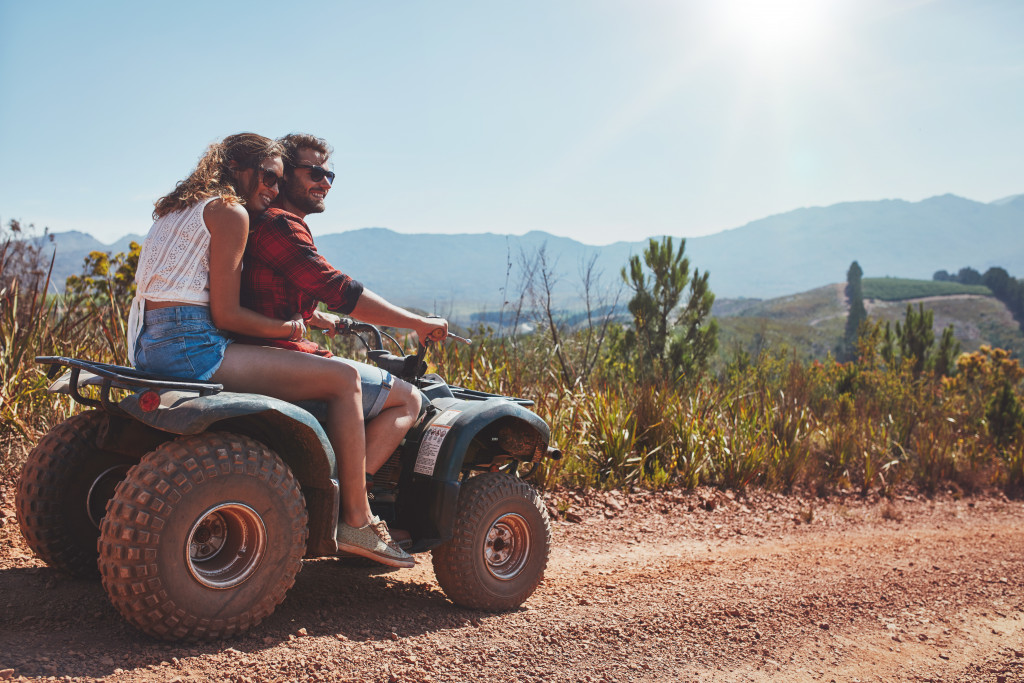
[(600, 120)]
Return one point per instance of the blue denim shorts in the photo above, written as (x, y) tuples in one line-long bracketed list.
[(376, 384), (180, 341)]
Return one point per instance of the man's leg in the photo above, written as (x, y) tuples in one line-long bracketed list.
[(385, 431), (389, 411)]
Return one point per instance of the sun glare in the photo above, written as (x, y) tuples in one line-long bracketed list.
[(775, 33)]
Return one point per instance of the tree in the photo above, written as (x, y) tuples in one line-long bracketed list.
[(1004, 416), (670, 341), (943, 362), (577, 337), (916, 337), (104, 292), (857, 314), (968, 276), (693, 342), (915, 340), (997, 280)]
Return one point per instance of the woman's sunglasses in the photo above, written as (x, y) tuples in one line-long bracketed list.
[(269, 178), (318, 173)]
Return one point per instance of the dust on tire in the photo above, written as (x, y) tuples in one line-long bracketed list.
[(495, 574), (62, 494), (148, 552)]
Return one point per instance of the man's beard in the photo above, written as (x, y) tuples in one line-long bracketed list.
[(303, 202)]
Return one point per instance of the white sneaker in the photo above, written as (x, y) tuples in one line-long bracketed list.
[(373, 541)]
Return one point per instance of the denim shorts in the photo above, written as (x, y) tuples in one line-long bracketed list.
[(180, 341), (376, 384)]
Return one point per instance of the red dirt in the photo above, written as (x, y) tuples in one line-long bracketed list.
[(644, 587)]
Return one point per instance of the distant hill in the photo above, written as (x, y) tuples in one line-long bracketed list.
[(812, 322), (799, 250), (768, 258)]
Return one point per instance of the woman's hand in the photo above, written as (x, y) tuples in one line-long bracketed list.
[(328, 322)]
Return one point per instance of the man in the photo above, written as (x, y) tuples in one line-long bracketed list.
[(285, 278)]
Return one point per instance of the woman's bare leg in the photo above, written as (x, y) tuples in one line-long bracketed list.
[(296, 376)]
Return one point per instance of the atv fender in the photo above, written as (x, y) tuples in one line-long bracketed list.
[(454, 435), (498, 427), (293, 433)]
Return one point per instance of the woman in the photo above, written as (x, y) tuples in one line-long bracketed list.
[(188, 291)]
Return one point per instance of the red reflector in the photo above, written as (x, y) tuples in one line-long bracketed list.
[(149, 401)]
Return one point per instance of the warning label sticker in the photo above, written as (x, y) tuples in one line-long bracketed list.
[(426, 458), (447, 417)]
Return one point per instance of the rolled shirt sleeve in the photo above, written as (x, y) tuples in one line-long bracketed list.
[(285, 274)]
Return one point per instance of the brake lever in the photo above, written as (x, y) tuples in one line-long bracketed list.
[(343, 326)]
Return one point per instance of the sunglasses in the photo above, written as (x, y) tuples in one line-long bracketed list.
[(318, 173), (269, 178)]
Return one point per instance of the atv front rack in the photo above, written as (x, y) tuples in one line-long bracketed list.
[(109, 377), (472, 395)]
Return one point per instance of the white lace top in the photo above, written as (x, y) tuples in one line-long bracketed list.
[(174, 265)]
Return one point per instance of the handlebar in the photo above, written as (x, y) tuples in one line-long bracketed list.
[(408, 367), (459, 339)]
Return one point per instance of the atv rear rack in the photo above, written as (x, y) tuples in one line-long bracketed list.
[(109, 376)]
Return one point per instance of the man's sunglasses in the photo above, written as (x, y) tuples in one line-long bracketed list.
[(318, 173)]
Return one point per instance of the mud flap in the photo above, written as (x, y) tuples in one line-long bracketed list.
[(427, 510), (323, 506)]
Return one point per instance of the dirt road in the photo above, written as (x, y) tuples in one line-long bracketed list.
[(666, 587)]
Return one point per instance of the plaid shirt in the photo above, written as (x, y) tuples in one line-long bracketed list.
[(285, 276)]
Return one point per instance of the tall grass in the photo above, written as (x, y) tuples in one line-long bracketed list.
[(35, 320), (772, 421)]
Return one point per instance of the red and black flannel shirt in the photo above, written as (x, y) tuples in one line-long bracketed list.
[(284, 275)]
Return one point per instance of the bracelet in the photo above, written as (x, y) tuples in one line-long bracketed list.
[(298, 330)]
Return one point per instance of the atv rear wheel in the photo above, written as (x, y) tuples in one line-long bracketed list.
[(499, 551), (63, 492), (204, 538)]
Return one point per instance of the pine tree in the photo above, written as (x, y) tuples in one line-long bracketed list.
[(857, 313), (667, 341)]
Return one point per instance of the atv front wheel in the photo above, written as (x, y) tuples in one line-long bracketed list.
[(63, 493), (204, 538), (499, 551)]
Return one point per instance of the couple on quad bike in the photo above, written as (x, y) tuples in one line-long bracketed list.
[(228, 282)]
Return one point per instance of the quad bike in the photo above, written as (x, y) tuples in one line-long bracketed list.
[(196, 505)]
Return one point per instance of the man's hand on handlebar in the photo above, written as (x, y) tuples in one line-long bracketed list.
[(432, 329)]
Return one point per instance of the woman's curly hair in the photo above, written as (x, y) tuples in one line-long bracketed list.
[(213, 176)]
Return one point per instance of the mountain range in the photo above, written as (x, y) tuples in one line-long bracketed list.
[(774, 256)]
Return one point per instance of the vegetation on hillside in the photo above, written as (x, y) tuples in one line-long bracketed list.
[(900, 289), (1007, 289), (897, 414)]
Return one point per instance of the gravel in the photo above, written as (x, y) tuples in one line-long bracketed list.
[(668, 586)]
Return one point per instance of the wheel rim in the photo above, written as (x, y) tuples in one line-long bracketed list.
[(507, 546), (226, 545), (102, 490)]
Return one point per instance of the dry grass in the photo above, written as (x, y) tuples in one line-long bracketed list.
[(773, 421)]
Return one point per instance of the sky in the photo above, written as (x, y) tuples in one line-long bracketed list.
[(599, 120)]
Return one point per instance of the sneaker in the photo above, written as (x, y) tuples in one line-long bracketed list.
[(401, 537), (373, 541)]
